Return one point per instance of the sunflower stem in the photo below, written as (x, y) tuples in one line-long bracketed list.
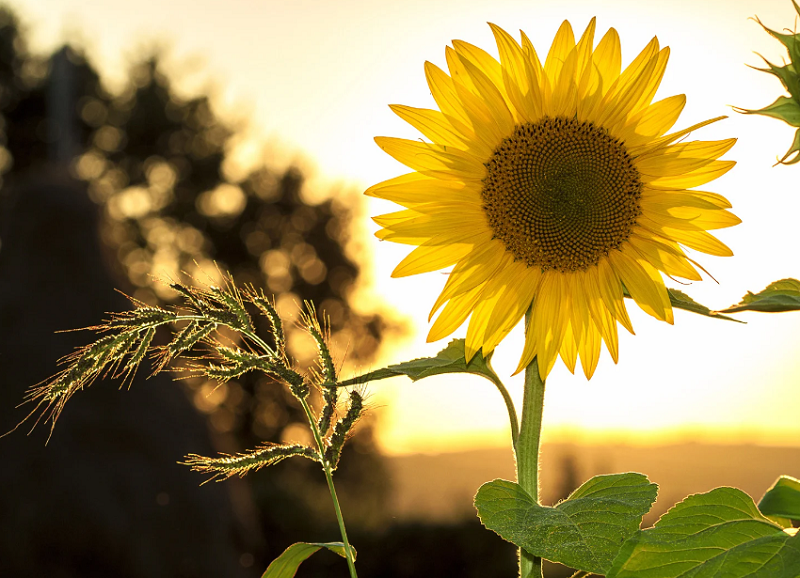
[(527, 452)]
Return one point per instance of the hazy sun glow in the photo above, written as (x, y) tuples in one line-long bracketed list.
[(317, 78)]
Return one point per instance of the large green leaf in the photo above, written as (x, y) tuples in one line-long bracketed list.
[(585, 531), (720, 534), (780, 296), (782, 499), (451, 359), (286, 565)]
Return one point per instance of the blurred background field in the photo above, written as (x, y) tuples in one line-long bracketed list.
[(143, 141)]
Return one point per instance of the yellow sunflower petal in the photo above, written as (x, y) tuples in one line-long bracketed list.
[(454, 314), (609, 287), (656, 75), (633, 71), (491, 96), (713, 198), (549, 318), (584, 49), (482, 60), (424, 157), (520, 80), (607, 326), (697, 240), (666, 140), (475, 269), (701, 176), (607, 58), (444, 93), (563, 101), (417, 189), (625, 93), (653, 121), (459, 235), (563, 44), (529, 349), (432, 225), (436, 126), (569, 349), (516, 299), (682, 159), (533, 57), (664, 258), (668, 199), (690, 218), (427, 258), (492, 315), (589, 349), (647, 292)]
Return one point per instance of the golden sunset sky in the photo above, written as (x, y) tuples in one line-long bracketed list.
[(313, 79)]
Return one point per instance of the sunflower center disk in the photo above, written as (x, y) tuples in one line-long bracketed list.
[(561, 193)]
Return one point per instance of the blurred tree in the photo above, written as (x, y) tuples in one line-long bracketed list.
[(153, 163)]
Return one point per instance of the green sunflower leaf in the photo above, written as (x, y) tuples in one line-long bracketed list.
[(451, 359), (713, 535), (779, 296), (286, 565), (585, 531), (681, 300), (782, 499)]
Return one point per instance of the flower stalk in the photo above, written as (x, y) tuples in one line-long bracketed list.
[(527, 451)]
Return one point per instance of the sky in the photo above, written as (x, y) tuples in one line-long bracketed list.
[(312, 80)]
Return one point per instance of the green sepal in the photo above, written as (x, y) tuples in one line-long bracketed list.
[(286, 565), (451, 359), (792, 149), (788, 77), (585, 531), (782, 500), (790, 41), (777, 297), (784, 108), (713, 535)]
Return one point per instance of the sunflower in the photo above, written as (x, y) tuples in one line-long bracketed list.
[(552, 188)]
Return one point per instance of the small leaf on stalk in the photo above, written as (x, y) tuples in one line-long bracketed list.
[(780, 296), (285, 565), (782, 499), (585, 531), (451, 359), (713, 535), (681, 300)]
